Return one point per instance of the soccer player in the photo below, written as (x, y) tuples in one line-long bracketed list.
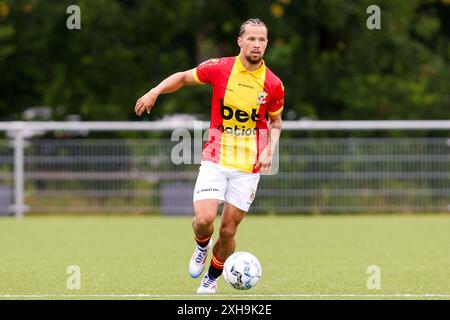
[(240, 142)]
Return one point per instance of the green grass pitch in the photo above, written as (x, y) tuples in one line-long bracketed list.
[(312, 257)]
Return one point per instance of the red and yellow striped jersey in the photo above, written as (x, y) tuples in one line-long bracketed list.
[(240, 103)]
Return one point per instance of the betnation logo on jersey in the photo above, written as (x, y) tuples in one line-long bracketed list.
[(237, 150), (240, 116)]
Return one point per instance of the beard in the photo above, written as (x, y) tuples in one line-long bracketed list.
[(252, 60)]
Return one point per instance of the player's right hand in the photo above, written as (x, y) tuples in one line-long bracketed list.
[(146, 102)]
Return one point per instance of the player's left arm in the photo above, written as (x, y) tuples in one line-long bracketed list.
[(274, 109), (266, 157), (275, 126)]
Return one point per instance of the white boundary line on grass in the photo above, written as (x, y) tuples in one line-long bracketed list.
[(145, 295)]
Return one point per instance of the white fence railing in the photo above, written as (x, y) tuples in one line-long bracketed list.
[(137, 175)]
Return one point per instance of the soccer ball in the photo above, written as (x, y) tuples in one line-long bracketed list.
[(242, 270)]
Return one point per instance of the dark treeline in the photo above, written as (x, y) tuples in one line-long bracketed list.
[(332, 65)]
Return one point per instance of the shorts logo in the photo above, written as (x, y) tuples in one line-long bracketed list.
[(206, 190), (261, 97), (252, 195)]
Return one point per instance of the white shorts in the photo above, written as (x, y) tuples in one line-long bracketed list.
[(226, 185)]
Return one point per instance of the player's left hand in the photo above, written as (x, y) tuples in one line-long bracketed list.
[(264, 162)]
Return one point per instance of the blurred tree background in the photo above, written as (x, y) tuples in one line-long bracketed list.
[(332, 65)]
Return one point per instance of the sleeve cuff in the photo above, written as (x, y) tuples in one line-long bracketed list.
[(194, 73), (274, 113)]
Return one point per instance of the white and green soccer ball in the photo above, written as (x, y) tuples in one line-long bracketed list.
[(242, 270)]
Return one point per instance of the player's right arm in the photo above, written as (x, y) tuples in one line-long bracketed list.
[(171, 84)]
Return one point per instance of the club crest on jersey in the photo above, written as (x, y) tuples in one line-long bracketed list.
[(261, 97)]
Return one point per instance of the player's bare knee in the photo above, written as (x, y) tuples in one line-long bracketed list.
[(227, 232), (203, 220)]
